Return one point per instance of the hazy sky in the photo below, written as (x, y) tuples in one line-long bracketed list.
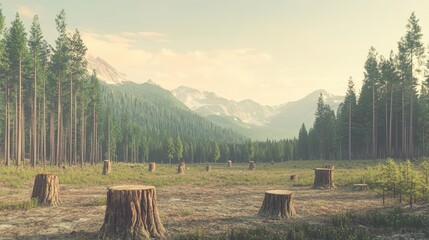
[(271, 51)]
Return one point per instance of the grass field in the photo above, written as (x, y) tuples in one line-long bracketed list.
[(195, 205)]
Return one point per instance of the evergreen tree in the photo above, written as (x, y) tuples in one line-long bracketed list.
[(16, 56), (171, 150), (411, 55), (303, 147)]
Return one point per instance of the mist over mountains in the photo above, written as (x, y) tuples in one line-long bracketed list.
[(245, 117)]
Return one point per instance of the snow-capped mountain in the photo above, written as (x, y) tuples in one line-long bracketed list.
[(105, 72), (208, 103), (254, 119)]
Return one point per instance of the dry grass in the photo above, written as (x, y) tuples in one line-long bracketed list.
[(212, 202)]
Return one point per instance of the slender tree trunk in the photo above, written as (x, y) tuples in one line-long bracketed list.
[(53, 158), (34, 135), (19, 148), (350, 129), (374, 143), (390, 123), (59, 125), (411, 134), (404, 131), (75, 132), (71, 123), (7, 127), (82, 136), (44, 124)]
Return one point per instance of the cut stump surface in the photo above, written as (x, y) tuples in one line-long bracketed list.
[(131, 213), (45, 189), (278, 202), (152, 167), (106, 167), (324, 178)]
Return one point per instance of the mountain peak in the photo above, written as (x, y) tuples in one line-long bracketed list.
[(105, 72)]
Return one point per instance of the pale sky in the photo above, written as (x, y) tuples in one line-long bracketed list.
[(271, 51)]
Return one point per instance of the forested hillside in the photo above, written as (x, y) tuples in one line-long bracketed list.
[(149, 123)]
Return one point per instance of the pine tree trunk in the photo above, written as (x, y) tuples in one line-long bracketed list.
[(131, 213), (278, 202), (45, 189), (34, 135), (324, 178), (19, 133)]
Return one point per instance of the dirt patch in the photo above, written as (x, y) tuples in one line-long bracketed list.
[(183, 209)]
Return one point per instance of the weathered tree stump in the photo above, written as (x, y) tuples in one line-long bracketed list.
[(208, 168), (229, 163), (45, 189), (106, 167), (131, 213), (324, 178), (278, 202), (181, 168), (152, 167), (294, 177), (251, 165)]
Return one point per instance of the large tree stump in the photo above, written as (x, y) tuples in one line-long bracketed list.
[(324, 178), (229, 163), (278, 202), (131, 213), (152, 167), (251, 165), (106, 167), (45, 189), (181, 168), (208, 168)]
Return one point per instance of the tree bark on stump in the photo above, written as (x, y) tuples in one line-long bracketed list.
[(106, 167), (208, 168), (131, 213), (229, 163), (294, 177), (46, 189), (181, 168), (324, 178), (278, 202), (251, 165), (152, 167)]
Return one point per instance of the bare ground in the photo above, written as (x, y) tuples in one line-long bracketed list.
[(183, 209)]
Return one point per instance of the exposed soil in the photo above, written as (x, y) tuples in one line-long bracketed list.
[(183, 209)]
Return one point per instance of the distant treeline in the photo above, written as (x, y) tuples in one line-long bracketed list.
[(54, 112)]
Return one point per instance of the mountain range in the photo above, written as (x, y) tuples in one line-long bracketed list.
[(245, 117)]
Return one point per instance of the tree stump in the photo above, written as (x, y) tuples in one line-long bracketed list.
[(45, 189), (131, 213), (294, 177), (324, 178), (106, 167), (277, 202), (251, 165), (152, 167), (208, 168), (229, 163), (181, 168)]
